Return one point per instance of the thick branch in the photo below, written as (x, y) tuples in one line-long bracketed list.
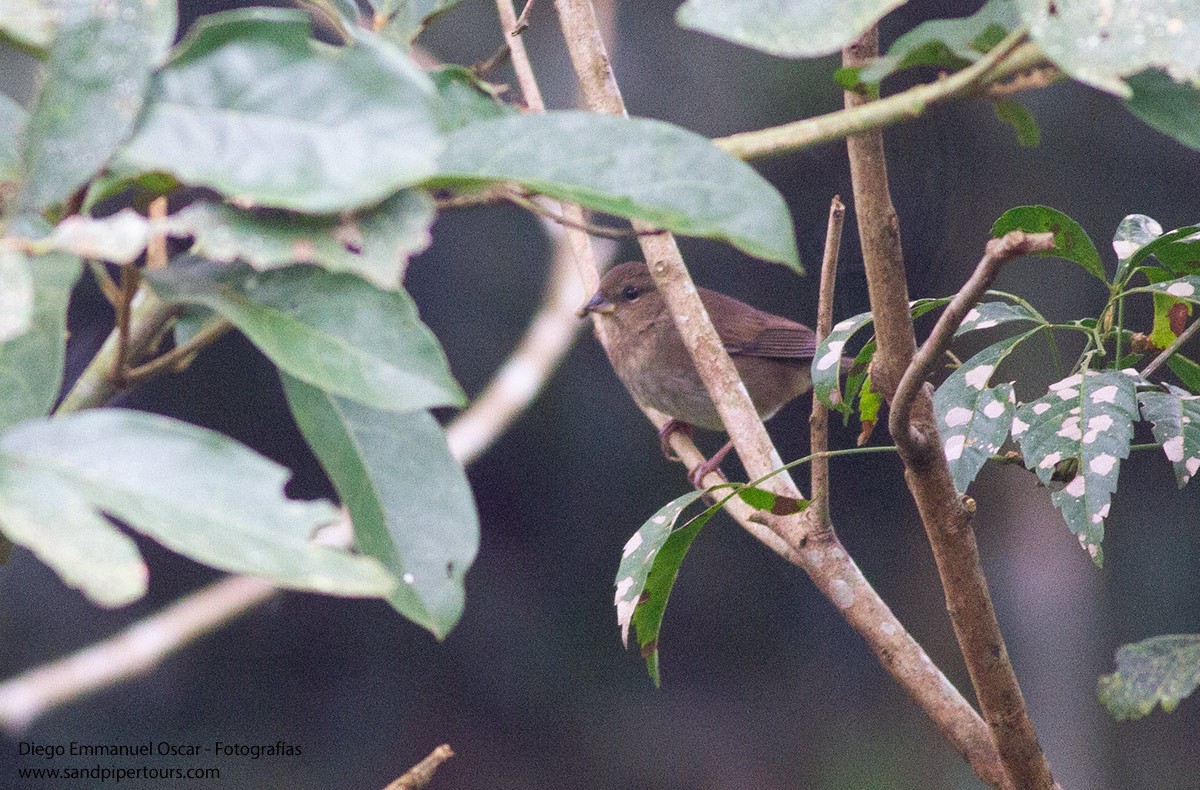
[(422, 773), (946, 516)]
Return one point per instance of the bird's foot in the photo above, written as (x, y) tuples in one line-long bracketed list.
[(696, 476), (664, 436)]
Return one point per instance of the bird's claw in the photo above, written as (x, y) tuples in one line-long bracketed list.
[(671, 427)]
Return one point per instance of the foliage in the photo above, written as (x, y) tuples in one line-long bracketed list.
[(314, 171)]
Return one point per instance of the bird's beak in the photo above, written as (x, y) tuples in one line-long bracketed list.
[(597, 304)]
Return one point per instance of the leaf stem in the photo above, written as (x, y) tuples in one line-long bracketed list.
[(177, 358)]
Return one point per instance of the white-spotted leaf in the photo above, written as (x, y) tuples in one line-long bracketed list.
[(1175, 415), (649, 565), (1077, 434), (1159, 670), (991, 314), (973, 418)]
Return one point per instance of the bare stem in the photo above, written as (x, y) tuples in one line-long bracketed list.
[(1176, 344), (819, 420), (176, 357)]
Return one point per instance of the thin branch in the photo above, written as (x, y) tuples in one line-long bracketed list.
[(174, 359), (1176, 344), (422, 773), (522, 23), (818, 421), (1007, 58), (109, 289), (128, 287), (997, 253), (590, 228), (497, 59), (148, 317)]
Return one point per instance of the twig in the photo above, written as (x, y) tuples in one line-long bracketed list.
[(590, 228), (422, 773), (801, 539), (1032, 79), (96, 385), (112, 294), (818, 421), (171, 360), (1006, 58), (998, 252), (522, 23), (156, 247), (946, 516), (1176, 344), (497, 59), (127, 289)]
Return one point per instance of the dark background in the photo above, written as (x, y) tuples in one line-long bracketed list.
[(764, 685)]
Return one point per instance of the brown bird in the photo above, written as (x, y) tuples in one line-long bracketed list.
[(772, 354)]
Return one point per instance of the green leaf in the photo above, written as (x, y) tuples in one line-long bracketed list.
[(1187, 370), (1161, 669), (97, 75), (788, 28), (13, 118), (1070, 240), (405, 19), (28, 24), (466, 98), (16, 294), (1101, 43), (408, 498), (375, 244), (252, 108), (1176, 418), (946, 43), (195, 491), (974, 419), (1176, 250), (649, 566), (31, 366), (1019, 117), (1168, 106), (333, 331), (1161, 333), (631, 167), (987, 315), (1081, 430)]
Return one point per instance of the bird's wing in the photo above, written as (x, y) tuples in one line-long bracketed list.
[(748, 331), (779, 342)]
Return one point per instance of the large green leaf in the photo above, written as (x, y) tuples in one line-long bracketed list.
[(1070, 239), (789, 28), (1079, 432), (28, 24), (631, 167), (375, 244), (334, 331), (253, 108), (1101, 42), (13, 118), (1176, 418), (31, 365), (408, 498), (1162, 669), (649, 566), (96, 80), (16, 294), (1170, 107), (194, 491), (466, 98)]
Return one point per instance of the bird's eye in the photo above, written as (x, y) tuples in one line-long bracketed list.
[(631, 293)]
